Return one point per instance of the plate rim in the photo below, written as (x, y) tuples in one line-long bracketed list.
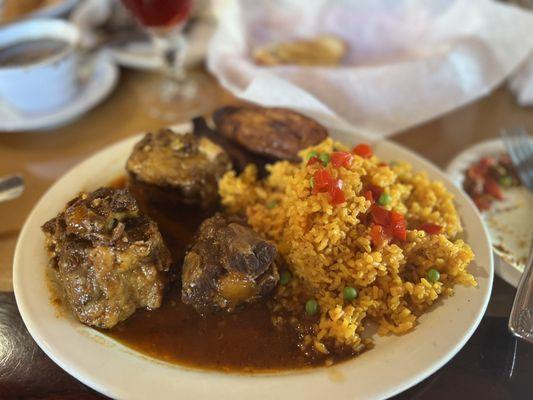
[(70, 367)]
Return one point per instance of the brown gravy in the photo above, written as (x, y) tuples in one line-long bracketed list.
[(30, 51), (244, 341)]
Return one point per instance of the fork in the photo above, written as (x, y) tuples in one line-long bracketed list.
[(521, 318), (520, 150)]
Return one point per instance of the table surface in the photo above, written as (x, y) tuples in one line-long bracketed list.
[(492, 365)]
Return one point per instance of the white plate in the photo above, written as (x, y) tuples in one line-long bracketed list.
[(508, 221), (95, 88), (395, 364)]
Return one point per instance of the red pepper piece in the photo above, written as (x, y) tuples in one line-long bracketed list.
[(377, 235), (431, 228), (479, 170), (491, 187), (380, 215), (376, 190), (368, 195), (337, 196), (486, 162), (398, 226), (483, 202), (396, 216), (475, 172), (312, 160), (323, 181), (341, 159), (363, 150)]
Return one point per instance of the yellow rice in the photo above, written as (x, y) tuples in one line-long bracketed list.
[(327, 248)]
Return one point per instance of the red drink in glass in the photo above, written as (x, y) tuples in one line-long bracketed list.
[(159, 13), (164, 21)]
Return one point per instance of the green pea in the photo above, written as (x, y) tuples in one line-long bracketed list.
[(349, 293), (271, 204), (312, 182), (384, 199), (324, 157), (393, 163), (312, 154), (311, 307), (285, 277), (433, 275), (505, 181)]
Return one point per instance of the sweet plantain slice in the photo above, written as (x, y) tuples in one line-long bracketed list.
[(272, 132)]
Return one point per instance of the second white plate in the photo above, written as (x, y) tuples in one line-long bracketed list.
[(509, 221)]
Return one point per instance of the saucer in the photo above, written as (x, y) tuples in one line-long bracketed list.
[(94, 87)]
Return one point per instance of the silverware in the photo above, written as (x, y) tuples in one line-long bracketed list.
[(521, 319), (520, 150), (11, 187)]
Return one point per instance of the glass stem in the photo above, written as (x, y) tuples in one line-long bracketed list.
[(172, 48)]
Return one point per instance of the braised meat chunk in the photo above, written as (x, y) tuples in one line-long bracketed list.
[(227, 265), (110, 258), (272, 132), (178, 168)]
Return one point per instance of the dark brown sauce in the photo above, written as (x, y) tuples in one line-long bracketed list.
[(241, 341), (30, 51), (244, 341)]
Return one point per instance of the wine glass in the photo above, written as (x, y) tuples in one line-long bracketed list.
[(164, 21)]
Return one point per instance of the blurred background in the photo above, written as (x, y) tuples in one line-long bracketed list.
[(377, 66)]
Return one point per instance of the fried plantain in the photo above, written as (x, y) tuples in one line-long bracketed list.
[(271, 132)]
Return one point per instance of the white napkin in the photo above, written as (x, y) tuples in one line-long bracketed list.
[(408, 60)]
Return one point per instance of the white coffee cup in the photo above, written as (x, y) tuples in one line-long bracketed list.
[(45, 84)]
